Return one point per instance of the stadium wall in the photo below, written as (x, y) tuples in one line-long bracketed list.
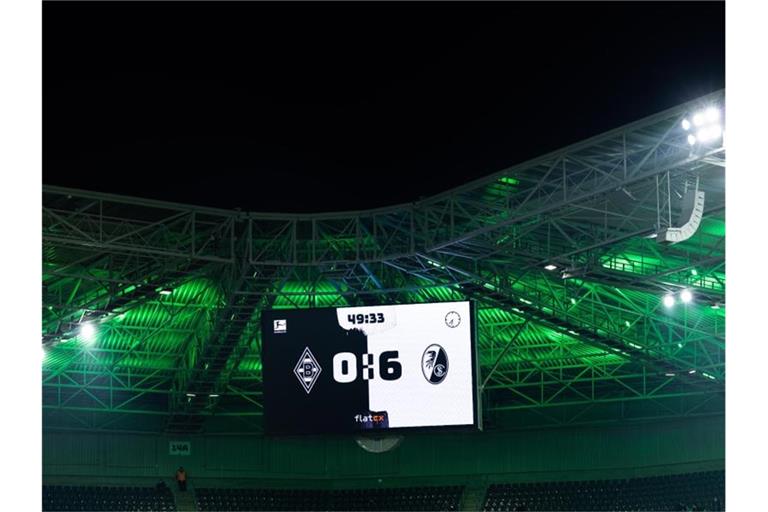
[(619, 451)]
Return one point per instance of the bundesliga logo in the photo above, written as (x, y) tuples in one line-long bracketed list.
[(434, 364)]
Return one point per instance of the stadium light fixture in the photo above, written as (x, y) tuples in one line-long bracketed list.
[(709, 133), (707, 125), (166, 291), (669, 374), (686, 296), (715, 305), (214, 395), (87, 332), (691, 372), (436, 264), (679, 345), (191, 395), (573, 301), (550, 267), (669, 300), (694, 272)]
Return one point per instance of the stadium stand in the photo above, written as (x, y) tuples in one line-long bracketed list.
[(411, 498), (70, 498), (693, 491)]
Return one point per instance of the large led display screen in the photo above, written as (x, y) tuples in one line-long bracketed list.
[(372, 368)]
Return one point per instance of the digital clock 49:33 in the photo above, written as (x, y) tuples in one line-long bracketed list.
[(370, 318)]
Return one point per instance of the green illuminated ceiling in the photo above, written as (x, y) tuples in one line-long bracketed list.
[(558, 254)]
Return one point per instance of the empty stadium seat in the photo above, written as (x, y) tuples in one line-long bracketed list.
[(91, 498), (411, 498), (693, 491)]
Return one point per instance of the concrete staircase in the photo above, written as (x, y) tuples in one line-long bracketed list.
[(472, 499), (185, 501)]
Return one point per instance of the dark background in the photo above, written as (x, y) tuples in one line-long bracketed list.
[(320, 107)]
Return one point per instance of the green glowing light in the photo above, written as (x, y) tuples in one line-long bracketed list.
[(509, 181)]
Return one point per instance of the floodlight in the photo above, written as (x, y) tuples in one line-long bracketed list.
[(214, 395), (166, 291), (694, 272), (669, 300), (686, 296), (692, 372), (573, 301), (698, 119), (669, 374), (550, 267), (626, 322), (709, 133), (691, 139), (715, 306), (713, 114), (686, 125), (87, 331), (191, 395)]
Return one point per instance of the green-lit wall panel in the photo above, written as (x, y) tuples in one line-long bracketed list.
[(66, 453), (520, 455), (140, 454)]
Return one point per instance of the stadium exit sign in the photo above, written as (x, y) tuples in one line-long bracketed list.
[(180, 448)]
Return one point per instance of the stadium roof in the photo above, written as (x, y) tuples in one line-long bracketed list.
[(562, 254)]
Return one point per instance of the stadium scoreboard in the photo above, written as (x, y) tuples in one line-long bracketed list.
[(370, 368)]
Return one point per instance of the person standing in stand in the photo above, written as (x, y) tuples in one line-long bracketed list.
[(181, 478)]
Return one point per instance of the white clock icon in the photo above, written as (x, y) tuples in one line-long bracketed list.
[(452, 319)]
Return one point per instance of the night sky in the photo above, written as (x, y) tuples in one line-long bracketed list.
[(321, 107)]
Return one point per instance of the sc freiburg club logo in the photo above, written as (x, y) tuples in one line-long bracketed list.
[(307, 370), (434, 364)]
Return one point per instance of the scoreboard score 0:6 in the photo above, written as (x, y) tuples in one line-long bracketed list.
[(352, 369)]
